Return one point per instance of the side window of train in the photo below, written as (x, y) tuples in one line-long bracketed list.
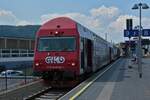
[(81, 45)]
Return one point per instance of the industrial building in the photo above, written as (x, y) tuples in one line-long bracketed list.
[(17, 40)]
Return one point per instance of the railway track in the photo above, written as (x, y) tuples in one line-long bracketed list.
[(48, 94)]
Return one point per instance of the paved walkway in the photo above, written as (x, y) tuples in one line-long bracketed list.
[(132, 87), (121, 83)]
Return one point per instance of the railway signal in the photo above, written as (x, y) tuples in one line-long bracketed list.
[(129, 24)]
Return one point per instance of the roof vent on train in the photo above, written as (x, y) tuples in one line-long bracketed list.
[(58, 26)]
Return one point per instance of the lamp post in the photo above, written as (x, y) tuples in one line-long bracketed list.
[(140, 6)]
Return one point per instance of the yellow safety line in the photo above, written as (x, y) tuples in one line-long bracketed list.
[(85, 87), (82, 90)]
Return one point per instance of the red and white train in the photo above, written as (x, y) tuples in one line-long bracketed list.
[(65, 48)]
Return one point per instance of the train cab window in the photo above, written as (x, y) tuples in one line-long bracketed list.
[(57, 44)]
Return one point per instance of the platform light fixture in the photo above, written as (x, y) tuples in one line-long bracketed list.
[(140, 6)]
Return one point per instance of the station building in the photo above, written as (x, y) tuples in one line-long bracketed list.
[(17, 40)]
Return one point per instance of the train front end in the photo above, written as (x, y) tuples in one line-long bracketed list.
[(57, 49)]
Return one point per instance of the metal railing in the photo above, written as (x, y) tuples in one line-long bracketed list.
[(16, 53)]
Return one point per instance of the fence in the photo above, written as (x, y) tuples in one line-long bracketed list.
[(16, 53)]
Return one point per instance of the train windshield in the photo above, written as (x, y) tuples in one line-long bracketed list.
[(57, 44)]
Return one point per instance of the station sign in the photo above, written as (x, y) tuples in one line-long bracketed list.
[(134, 33), (146, 32), (131, 33)]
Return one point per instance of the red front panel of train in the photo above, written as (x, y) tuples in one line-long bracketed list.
[(50, 61), (57, 53), (57, 46)]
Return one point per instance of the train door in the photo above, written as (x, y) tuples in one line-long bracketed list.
[(89, 55), (86, 55)]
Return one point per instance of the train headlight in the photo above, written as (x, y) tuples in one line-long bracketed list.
[(56, 32), (37, 64), (73, 64)]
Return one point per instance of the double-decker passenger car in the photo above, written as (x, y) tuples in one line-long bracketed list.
[(65, 48)]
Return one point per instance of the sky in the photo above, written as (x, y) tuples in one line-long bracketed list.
[(100, 16)]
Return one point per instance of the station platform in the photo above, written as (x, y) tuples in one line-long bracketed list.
[(11, 62), (120, 82)]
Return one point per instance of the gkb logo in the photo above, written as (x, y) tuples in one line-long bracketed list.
[(55, 59)]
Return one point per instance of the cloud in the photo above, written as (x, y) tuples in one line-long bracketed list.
[(117, 27), (6, 14), (145, 22), (8, 18), (120, 23), (24, 22), (103, 11)]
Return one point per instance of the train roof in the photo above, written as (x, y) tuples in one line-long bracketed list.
[(60, 22), (67, 23)]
